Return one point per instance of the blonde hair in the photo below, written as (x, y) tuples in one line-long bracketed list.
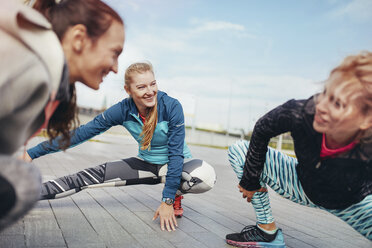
[(152, 113), (354, 75)]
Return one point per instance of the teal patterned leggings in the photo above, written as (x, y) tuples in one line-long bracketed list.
[(280, 174)]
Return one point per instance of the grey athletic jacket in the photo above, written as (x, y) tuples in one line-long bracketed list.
[(31, 69)]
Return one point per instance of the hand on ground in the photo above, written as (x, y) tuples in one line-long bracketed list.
[(166, 216)]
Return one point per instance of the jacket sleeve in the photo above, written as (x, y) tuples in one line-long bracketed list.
[(102, 122), (176, 139), (24, 92), (277, 121)]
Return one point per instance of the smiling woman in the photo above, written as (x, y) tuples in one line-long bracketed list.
[(156, 122), (140, 84), (42, 58), (332, 141), (91, 47)]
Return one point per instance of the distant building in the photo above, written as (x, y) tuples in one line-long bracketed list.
[(89, 111)]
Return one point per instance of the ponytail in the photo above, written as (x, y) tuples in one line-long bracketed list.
[(148, 128), (64, 119)]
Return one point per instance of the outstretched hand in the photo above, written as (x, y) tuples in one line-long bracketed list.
[(25, 157), (166, 216), (249, 194)]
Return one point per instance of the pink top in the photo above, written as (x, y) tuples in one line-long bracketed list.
[(326, 152)]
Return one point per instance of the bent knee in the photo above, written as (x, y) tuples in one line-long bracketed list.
[(238, 152), (198, 176)]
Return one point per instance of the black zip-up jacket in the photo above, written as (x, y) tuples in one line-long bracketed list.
[(333, 183)]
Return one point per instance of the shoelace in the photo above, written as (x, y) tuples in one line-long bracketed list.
[(252, 233)]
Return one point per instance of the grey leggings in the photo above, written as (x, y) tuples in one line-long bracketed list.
[(196, 177)]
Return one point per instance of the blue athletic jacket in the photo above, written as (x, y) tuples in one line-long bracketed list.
[(167, 144)]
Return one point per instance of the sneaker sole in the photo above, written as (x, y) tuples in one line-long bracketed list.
[(254, 244), (178, 215)]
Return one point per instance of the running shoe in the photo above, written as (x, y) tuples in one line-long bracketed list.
[(178, 210), (252, 236)]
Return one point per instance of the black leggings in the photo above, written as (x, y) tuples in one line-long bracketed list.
[(128, 172)]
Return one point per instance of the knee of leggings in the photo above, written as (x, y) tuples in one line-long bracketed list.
[(198, 176), (238, 152)]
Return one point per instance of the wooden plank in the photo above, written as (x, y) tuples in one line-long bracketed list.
[(17, 228), (177, 238), (152, 240), (12, 241), (122, 217), (128, 201), (103, 223), (76, 229), (210, 239), (41, 228), (129, 221)]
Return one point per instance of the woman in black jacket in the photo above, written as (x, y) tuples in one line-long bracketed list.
[(333, 145)]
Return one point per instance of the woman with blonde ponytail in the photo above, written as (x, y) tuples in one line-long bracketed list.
[(150, 113), (156, 122), (44, 51)]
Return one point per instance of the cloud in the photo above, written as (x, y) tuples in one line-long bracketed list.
[(201, 27), (219, 25), (198, 38), (167, 39), (355, 10), (134, 6)]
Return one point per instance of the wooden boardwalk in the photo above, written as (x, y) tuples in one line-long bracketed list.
[(122, 217)]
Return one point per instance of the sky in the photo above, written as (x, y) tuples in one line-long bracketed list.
[(230, 62)]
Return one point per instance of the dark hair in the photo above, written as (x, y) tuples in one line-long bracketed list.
[(97, 17), (63, 120)]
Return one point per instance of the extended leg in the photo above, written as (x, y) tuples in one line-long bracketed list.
[(119, 173), (358, 216)]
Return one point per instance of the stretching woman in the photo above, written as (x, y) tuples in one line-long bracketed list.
[(156, 122), (332, 141), (39, 67)]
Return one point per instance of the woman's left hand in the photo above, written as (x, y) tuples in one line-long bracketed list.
[(25, 157), (167, 218)]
